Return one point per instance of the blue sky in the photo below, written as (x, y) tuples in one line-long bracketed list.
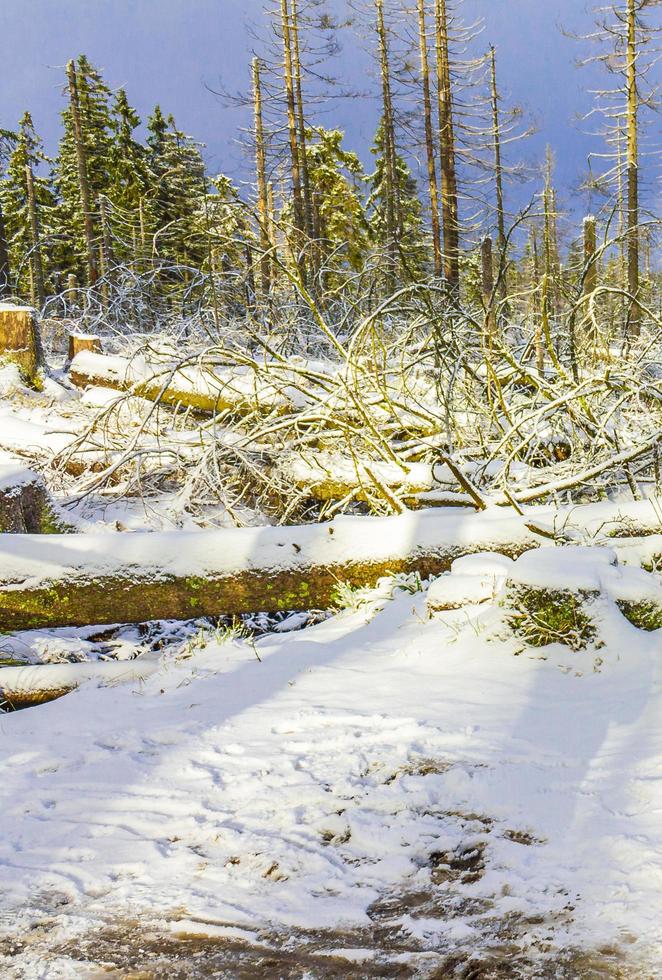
[(167, 51)]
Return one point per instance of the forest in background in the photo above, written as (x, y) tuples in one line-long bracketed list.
[(348, 325), (114, 220)]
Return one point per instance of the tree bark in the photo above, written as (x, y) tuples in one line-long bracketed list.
[(36, 263), (261, 181), (433, 187), (295, 159), (633, 172), (5, 270), (449, 203), (306, 194), (82, 579), (389, 151)]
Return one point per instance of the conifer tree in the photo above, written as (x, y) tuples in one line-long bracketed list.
[(411, 255), (178, 188), (336, 175), (82, 166), (27, 204)]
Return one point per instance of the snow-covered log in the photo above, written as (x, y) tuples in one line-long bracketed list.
[(105, 578), (195, 386), (20, 340), (21, 687), (64, 580)]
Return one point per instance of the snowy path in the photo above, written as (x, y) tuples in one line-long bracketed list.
[(400, 788)]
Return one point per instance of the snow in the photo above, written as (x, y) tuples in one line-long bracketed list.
[(318, 786), (14, 475)]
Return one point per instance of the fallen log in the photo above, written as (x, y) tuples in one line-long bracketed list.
[(77, 579), (23, 687), (200, 388)]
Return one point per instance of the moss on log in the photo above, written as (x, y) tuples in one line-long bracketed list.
[(20, 340), (132, 596)]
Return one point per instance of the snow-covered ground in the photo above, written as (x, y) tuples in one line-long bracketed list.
[(381, 794)]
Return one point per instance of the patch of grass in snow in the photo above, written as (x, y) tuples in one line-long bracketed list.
[(644, 615), (544, 616)]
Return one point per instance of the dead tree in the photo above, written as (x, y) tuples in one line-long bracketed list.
[(433, 186)]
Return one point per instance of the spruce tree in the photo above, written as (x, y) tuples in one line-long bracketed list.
[(178, 190), (335, 177), (412, 252), (83, 159), (28, 207)]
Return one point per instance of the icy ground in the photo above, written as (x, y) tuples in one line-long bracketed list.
[(377, 795)]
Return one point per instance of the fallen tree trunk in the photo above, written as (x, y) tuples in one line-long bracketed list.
[(200, 388), (72, 580), (22, 687)]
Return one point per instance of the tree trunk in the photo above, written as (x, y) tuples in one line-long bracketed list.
[(433, 187), (389, 151), (487, 276), (78, 579), (498, 178), (36, 263), (261, 181), (288, 75), (87, 578), (25, 504), (5, 270), (20, 340), (449, 203), (83, 183), (590, 261), (632, 173), (307, 201)]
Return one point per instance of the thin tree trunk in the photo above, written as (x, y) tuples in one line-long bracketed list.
[(307, 201), (5, 270), (498, 169), (83, 183), (449, 204), (390, 162), (633, 172), (487, 278), (590, 263), (36, 262), (271, 225), (498, 177), (261, 180), (433, 186), (107, 252), (288, 74)]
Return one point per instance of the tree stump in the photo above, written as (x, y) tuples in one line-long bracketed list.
[(83, 341), (25, 504), (20, 340)]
